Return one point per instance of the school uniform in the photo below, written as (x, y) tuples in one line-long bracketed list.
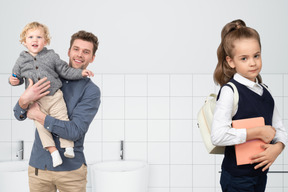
[(254, 101)]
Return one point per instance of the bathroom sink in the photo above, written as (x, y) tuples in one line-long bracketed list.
[(120, 166), (124, 175), (14, 176)]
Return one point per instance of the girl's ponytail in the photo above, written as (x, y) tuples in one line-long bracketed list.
[(232, 31), (223, 72)]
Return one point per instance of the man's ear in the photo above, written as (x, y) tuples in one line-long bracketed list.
[(93, 57), (230, 62)]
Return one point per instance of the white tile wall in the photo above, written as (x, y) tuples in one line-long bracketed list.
[(136, 130), (181, 85), (181, 176), (136, 85), (155, 114)]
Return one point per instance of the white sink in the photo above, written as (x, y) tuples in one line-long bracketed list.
[(126, 176), (14, 176)]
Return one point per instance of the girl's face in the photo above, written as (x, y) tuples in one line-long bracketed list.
[(35, 41), (247, 58)]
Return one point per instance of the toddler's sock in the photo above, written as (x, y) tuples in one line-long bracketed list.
[(69, 152), (56, 158)]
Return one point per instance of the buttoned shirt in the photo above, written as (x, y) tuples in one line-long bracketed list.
[(222, 134), (46, 63), (82, 99)]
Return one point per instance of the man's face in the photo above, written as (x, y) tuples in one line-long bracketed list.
[(80, 54)]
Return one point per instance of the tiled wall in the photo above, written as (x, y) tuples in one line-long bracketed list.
[(155, 114)]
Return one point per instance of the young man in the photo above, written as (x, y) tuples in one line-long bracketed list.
[(82, 98)]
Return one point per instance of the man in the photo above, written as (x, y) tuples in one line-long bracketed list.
[(82, 98)]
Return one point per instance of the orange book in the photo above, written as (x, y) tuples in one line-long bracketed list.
[(245, 150)]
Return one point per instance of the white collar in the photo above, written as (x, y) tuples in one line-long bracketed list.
[(246, 82)]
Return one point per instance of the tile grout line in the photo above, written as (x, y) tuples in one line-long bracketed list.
[(147, 130), (102, 126), (169, 133), (11, 130), (192, 133)]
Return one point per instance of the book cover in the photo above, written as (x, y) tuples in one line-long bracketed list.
[(246, 150)]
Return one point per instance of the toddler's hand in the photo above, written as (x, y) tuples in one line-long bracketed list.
[(86, 73), (14, 80)]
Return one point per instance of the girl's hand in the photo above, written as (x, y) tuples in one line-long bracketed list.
[(268, 156), (267, 133), (87, 73), (14, 80)]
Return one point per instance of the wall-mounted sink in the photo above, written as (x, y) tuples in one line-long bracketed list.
[(14, 176), (128, 176)]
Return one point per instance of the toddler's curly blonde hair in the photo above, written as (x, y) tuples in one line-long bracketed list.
[(33, 26)]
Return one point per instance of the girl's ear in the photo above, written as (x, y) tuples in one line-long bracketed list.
[(230, 62)]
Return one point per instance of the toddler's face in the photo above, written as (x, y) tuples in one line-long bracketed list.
[(35, 41)]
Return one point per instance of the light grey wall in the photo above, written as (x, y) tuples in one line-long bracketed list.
[(151, 36), (157, 55)]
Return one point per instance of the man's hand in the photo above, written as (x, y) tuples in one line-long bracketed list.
[(34, 92), (35, 113)]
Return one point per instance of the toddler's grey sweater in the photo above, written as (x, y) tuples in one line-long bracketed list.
[(46, 64)]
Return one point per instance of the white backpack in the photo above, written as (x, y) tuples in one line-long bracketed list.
[(205, 119)]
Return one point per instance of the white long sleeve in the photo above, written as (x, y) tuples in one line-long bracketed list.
[(222, 134)]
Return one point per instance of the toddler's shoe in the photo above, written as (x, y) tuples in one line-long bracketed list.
[(69, 152), (56, 158)]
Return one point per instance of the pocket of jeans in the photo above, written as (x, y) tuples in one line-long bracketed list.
[(83, 170)]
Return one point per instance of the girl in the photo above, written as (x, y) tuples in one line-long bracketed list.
[(239, 61)]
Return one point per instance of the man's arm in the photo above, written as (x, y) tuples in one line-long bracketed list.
[(31, 94), (35, 113), (80, 119)]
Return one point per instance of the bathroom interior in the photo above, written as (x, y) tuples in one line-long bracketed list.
[(155, 68)]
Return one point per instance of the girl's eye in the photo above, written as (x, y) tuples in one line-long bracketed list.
[(39, 37), (256, 56), (243, 58)]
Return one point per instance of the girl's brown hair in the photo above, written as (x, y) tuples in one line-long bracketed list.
[(232, 31)]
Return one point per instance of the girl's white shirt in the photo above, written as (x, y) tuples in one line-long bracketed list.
[(222, 134)]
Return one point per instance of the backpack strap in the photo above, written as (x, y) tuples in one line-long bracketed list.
[(235, 97), (265, 86)]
